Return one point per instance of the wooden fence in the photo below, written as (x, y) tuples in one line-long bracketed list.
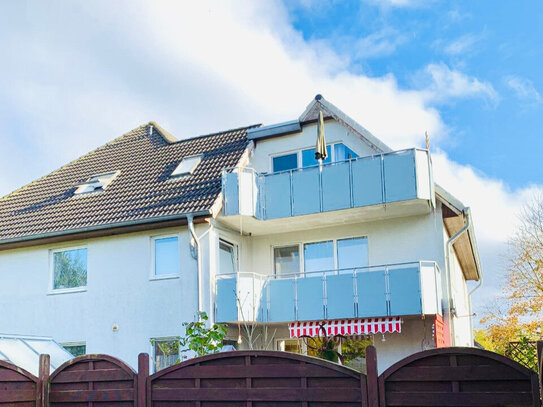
[(438, 377)]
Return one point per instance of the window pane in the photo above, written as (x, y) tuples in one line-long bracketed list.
[(342, 152), (166, 256), (352, 253), (227, 258), (318, 256), (70, 269), (285, 162), (287, 260), (166, 353), (76, 350), (308, 157)]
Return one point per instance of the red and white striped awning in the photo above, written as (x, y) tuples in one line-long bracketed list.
[(346, 327)]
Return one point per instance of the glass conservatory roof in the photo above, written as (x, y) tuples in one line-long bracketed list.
[(24, 351)]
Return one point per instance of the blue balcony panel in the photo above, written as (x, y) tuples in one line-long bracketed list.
[(371, 288), (340, 296), (335, 187), (310, 298), (405, 292), (305, 191), (276, 195), (367, 182), (400, 176), (281, 300), (226, 303)]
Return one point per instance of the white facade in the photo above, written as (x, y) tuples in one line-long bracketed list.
[(124, 305)]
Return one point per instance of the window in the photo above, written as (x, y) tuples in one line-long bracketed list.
[(96, 183), (187, 166), (166, 253), (69, 269), (352, 253), (308, 157), (285, 162), (75, 348), (342, 152), (165, 352), (227, 258), (286, 260), (319, 256)]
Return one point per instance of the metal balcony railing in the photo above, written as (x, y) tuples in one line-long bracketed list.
[(364, 181), (373, 291)]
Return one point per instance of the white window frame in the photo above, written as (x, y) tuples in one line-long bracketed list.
[(298, 152), (197, 157), (235, 247), (301, 251), (153, 353), (152, 275), (52, 290), (300, 256)]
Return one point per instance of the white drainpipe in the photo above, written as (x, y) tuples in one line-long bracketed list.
[(195, 252), (450, 242)]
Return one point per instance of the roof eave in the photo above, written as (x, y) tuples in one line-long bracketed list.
[(108, 229)]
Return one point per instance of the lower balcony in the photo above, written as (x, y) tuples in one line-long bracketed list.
[(375, 291)]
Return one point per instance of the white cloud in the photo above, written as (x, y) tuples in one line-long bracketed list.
[(461, 45), (523, 88), (378, 44), (444, 83)]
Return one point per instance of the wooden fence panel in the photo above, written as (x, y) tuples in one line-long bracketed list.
[(257, 379), (458, 377), (18, 388), (93, 381)]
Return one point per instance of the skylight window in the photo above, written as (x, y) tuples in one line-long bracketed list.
[(96, 183), (187, 166)]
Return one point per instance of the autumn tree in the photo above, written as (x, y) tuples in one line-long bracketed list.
[(519, 316)]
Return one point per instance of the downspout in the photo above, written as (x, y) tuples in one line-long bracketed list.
[(450, 242), (195, 253), (480, 275)]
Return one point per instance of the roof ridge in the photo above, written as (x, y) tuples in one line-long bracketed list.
[(116, 139), (218, 132)]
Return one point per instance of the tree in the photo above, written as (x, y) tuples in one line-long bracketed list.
[(519, 316), (200, 339)]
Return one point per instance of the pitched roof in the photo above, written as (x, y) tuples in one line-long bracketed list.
[(143, 190)]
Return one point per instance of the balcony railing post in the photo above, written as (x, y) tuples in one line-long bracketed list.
[(324, 296), (355, 293), (421, 296), (291, 194), (351, 188), (387, 290)]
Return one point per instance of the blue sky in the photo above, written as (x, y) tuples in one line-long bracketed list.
[(77, 74), (499, 43)]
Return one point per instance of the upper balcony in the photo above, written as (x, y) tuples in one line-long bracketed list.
[(365, 188), (365, 292)]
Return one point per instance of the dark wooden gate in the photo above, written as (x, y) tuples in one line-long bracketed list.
[(257, 379), (458, 377), (18, 388), (91, 379)]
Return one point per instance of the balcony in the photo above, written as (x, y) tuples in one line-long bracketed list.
[(375, 291), (386, 185)]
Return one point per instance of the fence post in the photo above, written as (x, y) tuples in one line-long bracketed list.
[(540, 363), (143, 374), (43, 381), (372, 377)]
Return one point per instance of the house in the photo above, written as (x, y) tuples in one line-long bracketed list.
[(113, 251)]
